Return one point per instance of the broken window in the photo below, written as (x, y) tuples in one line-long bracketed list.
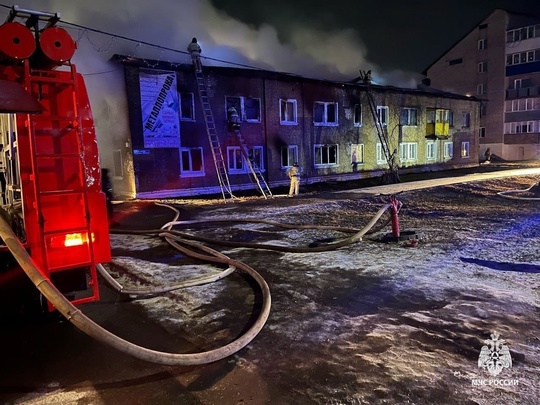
[(287, 112), (326, 155), (187, 107), (325, 113), (357, 115), (289, 155), (191, 161), (248, 108)]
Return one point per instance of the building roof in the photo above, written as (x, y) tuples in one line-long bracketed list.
[(282, 76)]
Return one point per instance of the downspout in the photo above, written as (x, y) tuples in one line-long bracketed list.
[(265, 133)]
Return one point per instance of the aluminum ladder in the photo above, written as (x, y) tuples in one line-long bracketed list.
[(382, 132), (253, 167), (215, 147)]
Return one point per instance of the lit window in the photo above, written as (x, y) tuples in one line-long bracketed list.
[(465, 149)]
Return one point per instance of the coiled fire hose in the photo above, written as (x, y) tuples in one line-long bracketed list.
[(176, 239), (85, 324)]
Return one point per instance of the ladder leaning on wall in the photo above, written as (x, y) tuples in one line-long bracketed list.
[(391, 156), (215, 147), (253, 166)]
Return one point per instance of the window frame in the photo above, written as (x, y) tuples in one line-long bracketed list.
[(325, 122), (466, 117), (245, 167), (482, 132), (431, 145), (357, 115), (465, 149), (408, 152), (379, 154), (191, 117), (285, 120), (448, 150), (482, 44), (383, 117), (290, 159), (328, 148), (408, 120), (359, 149), (241, 108), (191, 172), (482, 67)]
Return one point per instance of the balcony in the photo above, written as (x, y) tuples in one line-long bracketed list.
[(533, 91)]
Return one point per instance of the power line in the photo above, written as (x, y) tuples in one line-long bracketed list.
[(163, 48)]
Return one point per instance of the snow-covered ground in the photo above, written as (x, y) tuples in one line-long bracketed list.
[(372, 322)]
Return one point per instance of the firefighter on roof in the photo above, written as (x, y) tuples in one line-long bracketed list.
[(195, 49)]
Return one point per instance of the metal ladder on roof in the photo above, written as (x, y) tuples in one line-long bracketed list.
[(215, 146), (253, 167), (392, 176)]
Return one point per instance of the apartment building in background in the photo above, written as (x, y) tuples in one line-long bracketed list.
[(498, 62)]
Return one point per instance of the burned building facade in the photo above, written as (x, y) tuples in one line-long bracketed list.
[(326, 126)]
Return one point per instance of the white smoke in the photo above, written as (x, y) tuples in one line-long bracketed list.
[(171, 24), (335, 55)]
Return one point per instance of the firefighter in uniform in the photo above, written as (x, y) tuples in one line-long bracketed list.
[(232, 117), (294, 176), (195, 49)]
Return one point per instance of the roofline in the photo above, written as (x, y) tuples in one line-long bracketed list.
[(184, 67)]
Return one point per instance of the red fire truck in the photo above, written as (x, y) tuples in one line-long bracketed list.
[(52, 195)]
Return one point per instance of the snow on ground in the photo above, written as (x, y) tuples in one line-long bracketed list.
[(372, 322)]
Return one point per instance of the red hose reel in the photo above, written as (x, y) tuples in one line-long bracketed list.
[(54, 46)]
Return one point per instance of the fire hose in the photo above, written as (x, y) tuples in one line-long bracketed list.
[(177, 240), (85, 324), (511, 194)]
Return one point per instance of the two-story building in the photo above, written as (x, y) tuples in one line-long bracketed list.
[(326, 126)]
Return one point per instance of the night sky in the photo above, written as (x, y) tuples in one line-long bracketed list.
[(331, 39), (402, 34)]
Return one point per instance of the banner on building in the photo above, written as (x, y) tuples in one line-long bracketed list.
[(159, 104)]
